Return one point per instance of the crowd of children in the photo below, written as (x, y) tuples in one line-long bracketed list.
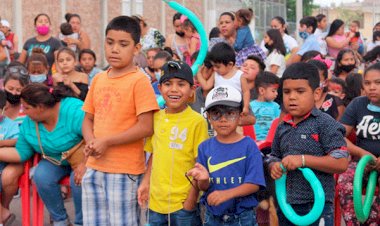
[(190, 163)]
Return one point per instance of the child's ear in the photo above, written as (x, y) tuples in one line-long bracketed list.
[(137, 48), (317, 93), (261, 90)]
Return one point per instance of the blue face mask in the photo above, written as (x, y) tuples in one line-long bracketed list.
[(40, 78), (373, 108), (303, 34)]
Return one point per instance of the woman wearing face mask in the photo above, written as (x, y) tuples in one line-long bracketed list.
[(177, 41), (345, 63), (38, 67), (16, 78), (43, 40)]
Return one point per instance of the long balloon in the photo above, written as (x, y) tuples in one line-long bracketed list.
[(203, 36), (363, 211), (287, 209)]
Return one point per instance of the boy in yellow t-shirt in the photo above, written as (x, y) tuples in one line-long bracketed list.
[(178, 131), (119, 115)]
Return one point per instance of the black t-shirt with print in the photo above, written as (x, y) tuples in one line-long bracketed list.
[(366, 123)]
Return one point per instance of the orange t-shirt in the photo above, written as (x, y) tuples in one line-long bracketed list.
[(116, 103)]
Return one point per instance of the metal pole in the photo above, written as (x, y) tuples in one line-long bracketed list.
[(104, 19), (17, 18), (299, 16), (63, 10)]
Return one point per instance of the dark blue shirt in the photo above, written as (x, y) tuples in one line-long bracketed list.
[(319, 135), (229, 166), (243, 38), (366, 123)]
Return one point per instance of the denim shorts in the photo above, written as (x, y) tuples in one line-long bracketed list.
[(246, 218), (179, 218)]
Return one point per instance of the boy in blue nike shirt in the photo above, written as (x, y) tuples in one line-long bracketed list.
[(229, 167)]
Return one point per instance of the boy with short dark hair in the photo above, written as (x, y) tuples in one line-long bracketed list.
[(178, 131), (264, 108), (119, 115), (306, 29), (229, 168), (307, 138)]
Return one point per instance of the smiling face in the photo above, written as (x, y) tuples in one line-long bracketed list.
[(120, 49), (299, 98), (177, 93)]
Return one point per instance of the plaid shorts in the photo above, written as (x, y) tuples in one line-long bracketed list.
[(109, 199)]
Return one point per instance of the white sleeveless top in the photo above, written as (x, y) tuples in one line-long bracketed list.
[(234, 81)]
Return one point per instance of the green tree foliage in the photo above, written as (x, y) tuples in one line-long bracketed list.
[(308, 7)]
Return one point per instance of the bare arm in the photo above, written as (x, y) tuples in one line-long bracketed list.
[(23, 55), (205, 84), (193, 45), (246, 94), (293, 53), (326, 163), (9, 154), (341, 109), (88, 127), (3, 55), (352, 148), (84, 42), (8, 143), (15, 43), (332, 43)]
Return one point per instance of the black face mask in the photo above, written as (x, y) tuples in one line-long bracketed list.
[(180, 34), (12, 99), (150, 69), (347, 68), (269, 47)]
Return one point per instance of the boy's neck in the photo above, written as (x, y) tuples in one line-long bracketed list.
[(169, 110), (230, 138), (116, 72), (261, 99), (231, 73)]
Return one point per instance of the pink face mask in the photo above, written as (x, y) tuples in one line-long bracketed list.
[(43, 29)]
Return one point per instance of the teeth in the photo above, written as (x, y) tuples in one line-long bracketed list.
[(174, 97)]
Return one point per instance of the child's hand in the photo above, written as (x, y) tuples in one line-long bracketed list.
[(4, 42), (217, 197), (245, 111), (67, 81), (199, 172), (99, 146), (143, 194), (292, 162), (275, 170), (79, 171)]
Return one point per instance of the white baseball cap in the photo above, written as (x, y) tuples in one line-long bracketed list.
[(223, 95), (5, 23)]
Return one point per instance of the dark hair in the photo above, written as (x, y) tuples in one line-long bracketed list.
[(310, 55), (68, 16), (3, 99), (36, 94), (228, 14), (245, 15), (303, 71), (265, 79), (19, 73), (214, 33), (66, 50), (126, 24), (377, 24), (163, 55), (320, 17), (340, 82), (66, 29), (321, 67), (37, 57), (354, 86), (375, 35), (169, 50), (187, 24), (258, 60), (310, 21), (139, 19), (372, 55), (88, 51), (337, 69), (176, 16), (222, 53), (278, 42), (194, 56), (335, 25), (282, 22), (41, 14), (372, 67)]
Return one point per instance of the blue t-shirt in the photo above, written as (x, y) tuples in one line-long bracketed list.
[(366, 123), (229, 166), (311, 43), (9, 129), (92, 74), (244, 38), (265, 113), (66, 134)]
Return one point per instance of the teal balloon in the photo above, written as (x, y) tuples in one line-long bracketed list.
[(362, 211), (203, 36), (160, 101), (287, 209)]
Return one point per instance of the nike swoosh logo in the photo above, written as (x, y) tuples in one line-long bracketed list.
[(212, 168)]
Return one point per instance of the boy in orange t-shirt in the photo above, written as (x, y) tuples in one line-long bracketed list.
[(119, 115)]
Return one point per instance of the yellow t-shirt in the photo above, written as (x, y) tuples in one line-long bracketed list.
[(174, 145), (115, 103)]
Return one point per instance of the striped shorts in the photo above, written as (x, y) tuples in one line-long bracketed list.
[(109, 198)]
